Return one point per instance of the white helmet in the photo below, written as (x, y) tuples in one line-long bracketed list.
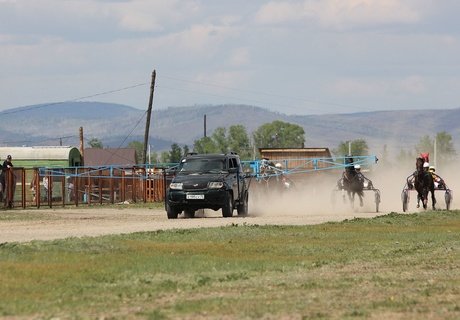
[(426, 165), (357, 166), (278, 165)]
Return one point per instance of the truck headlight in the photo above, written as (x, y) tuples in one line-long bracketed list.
[(176, 185), (215, 185)]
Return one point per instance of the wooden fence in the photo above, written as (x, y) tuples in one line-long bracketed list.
[(36, 187)]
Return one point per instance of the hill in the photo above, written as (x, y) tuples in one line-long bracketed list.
[(117, 125)]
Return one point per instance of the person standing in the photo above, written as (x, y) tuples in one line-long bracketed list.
[(7, 163), (2, 184), (46, 187), (7, 179)]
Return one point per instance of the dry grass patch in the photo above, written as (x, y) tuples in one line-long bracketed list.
[(402, 266)]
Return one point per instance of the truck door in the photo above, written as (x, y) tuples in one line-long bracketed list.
[(236, 183)]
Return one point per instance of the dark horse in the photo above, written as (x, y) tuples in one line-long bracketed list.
[(8, 187), (353, 182), (423, 183)]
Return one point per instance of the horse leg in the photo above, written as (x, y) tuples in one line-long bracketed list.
[(418, 200), (425, 200), (433, 199), (350, 197), (361, 203)]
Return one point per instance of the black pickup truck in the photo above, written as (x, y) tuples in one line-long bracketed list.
[(208, 181)]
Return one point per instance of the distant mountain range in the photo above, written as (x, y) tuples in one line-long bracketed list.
[(116, 125)]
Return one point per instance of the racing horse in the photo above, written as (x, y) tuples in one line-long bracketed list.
[(423, 183), (7, 187), (353, 183)]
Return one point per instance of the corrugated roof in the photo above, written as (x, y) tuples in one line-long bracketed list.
[(37, 153), (323, 152), (299, 150), (105, 157)]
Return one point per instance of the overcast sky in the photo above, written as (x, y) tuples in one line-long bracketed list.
[(294, 57)]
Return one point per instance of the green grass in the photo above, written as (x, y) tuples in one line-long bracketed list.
[(394, 266)]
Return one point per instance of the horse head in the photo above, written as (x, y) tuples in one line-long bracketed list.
[(419, 164)]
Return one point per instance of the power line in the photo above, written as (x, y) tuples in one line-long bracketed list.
[(126, 138), (254, 92), (72, 100), (36, 141)]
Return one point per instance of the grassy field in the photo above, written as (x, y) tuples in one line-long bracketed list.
[(398, 266)]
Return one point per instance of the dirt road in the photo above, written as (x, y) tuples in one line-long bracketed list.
[(63, 223), (311, 205)]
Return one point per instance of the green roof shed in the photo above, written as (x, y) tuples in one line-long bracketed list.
[(46, 156)]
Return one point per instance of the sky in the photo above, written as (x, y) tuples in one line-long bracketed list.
[(293, 57)]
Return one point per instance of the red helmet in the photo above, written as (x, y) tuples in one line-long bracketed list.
[(425, 156)]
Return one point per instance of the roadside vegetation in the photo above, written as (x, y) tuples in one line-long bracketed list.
[(403, 266)]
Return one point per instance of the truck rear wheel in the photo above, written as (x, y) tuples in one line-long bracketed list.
[(242, 208)]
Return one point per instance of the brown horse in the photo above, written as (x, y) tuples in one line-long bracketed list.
[(423, 183), (352, 182)]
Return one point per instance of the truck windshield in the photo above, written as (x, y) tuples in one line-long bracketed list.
[(202, 165)]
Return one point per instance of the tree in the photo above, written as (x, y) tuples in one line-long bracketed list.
[(445, 150), (155, 157), (220, 139), (358, 148), (205, 145), (176, 153), (164, 157), (95, 143), (139, 147), (279, 134), (238, 141), (426, 144), (185, 150), (444, 147)]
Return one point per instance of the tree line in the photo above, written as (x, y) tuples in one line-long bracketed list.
[(279, 134)]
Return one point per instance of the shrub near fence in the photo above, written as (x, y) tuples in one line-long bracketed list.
[(36, 187)]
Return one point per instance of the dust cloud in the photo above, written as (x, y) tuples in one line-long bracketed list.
[(316, 193)]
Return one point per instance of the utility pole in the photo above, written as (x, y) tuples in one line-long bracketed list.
[(82, 147), (435, 152), (149, 112), (204, 123)]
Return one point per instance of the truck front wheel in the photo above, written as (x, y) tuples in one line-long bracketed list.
[(171, 211), (227, 209)]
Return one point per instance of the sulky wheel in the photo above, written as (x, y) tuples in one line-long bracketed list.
[(405, 199), (448, 198), (377, 200)]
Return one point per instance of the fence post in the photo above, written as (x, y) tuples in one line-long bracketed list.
[(23, 181)]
